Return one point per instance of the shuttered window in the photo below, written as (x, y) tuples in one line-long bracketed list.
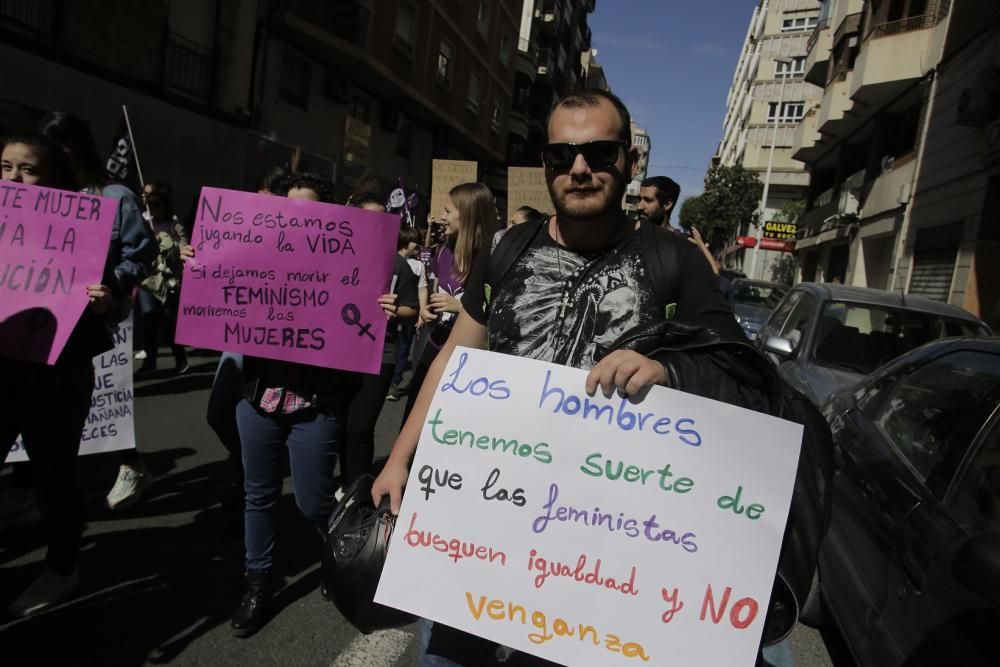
[(934, 255)]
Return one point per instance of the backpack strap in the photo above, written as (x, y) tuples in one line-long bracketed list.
[(659, 249), (512, 244)]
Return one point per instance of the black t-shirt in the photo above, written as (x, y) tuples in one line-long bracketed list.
[(406, 289), (570, 308)]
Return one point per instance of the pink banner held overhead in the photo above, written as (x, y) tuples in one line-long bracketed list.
[(288, 279), (53, 243)]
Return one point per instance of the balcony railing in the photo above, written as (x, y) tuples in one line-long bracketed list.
[(342, 18), (187, 68), (35, 15), (849, 26), (814, 37), (903, 25)]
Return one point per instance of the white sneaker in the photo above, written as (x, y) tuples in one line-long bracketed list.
[(128, 488), (49, 589), (140, 355), (18, 509)]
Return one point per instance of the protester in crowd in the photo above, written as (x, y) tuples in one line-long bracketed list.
[(31, 392), (302, 407), (131, 238), (159, 295), (408, 248), (227, 385), (470, 219), (528, 308), (525, 214), (657, 197), (365, 405)]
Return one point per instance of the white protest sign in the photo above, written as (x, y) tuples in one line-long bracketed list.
[(110, 426), (588, 530)]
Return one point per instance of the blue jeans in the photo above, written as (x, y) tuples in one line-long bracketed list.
[(312, 452)]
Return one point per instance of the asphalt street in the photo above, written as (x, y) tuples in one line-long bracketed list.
[(159, 582)]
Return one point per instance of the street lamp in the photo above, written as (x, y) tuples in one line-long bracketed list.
[(778, 112)]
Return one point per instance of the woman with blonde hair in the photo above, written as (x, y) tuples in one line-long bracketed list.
[(470, 220)]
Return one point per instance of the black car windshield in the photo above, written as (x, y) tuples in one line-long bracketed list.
[(757, 294), (862, 337)]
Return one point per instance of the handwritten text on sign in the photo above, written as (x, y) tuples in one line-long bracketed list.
[(446, 174), (53, 243), (110, 424), (288, 279), (589, 530)]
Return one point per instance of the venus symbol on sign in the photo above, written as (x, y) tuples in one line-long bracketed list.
[(352, 317)]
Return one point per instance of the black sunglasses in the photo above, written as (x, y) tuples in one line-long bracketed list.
[(600, 155)]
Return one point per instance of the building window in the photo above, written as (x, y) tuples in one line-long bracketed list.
[(404, 137), (790, 112), (446, 55), (361, 109), (296, 77), (406, 24), (495, 119), (796, 67), (505, 48), (475, 92), (483, 17), (798, 24)]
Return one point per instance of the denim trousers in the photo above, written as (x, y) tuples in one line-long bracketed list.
[(227, 392), (311, 437)]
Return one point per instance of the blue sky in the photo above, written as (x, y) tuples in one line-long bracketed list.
[(672, 61)]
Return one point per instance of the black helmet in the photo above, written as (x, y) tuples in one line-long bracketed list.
[(357, 540)]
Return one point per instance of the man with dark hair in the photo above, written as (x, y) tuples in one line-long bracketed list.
[(657, 196), (632, 304), (310, 186)]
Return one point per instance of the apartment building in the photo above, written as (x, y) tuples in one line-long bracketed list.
[(766, 101), (640, 139), (904, 192), (554, 57), (219, 90)]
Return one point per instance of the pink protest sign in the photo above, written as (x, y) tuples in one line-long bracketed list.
[(288, 279), (53, 243)]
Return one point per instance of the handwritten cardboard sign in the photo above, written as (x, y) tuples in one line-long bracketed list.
[(446, 174), (288, 279), (526, 187), (589, 530), (110, 425), (53, 243)]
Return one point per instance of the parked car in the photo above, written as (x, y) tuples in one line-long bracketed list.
[(910, 568), (826, 337), (753, 301)]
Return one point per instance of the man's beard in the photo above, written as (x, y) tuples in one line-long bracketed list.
[(655, 219), (613, 204)]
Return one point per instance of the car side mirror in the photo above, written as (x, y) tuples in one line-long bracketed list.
[(779, 346), (977, 565)]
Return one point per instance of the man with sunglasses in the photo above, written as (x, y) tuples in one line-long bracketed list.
[(578, 292)]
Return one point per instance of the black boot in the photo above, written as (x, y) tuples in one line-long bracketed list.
[(253, 611)]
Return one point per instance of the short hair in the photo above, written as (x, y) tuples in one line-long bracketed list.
[(529, 211), (367, 198), (73, 134), (273, 179), (593, 98), (407, 235), (667, 189), (58, 171), (307, 181)]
